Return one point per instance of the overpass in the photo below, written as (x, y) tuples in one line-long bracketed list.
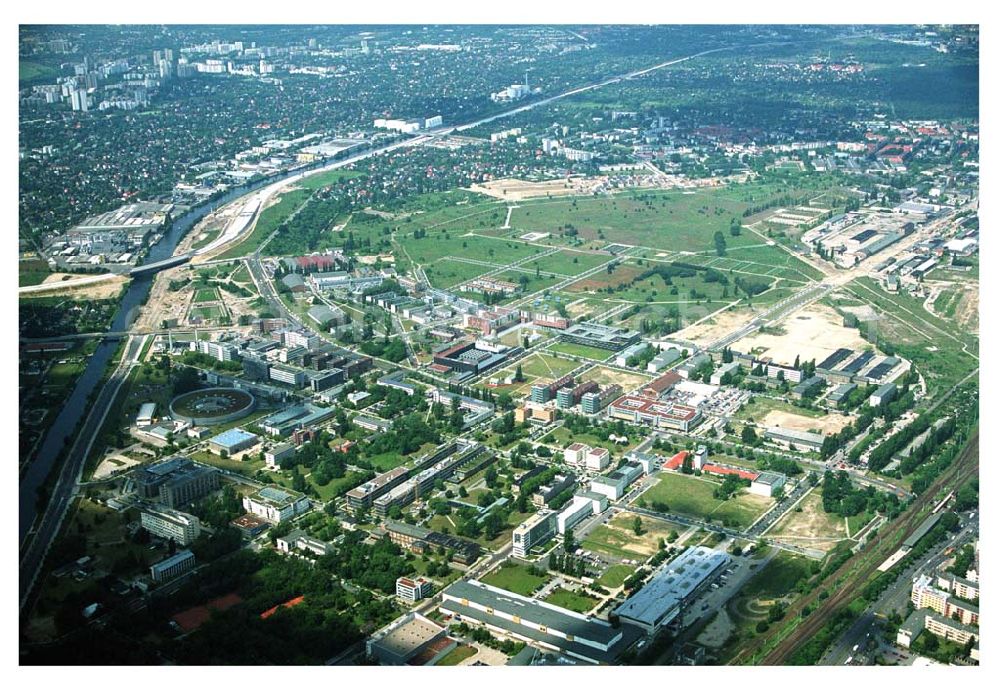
[(160, 265)]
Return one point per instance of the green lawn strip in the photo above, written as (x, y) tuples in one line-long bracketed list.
[(457, 655), (615, 576), (268, 222), (581, 350), (569, 600), (516, 578)]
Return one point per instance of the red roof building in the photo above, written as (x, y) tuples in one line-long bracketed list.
[(723, 470)]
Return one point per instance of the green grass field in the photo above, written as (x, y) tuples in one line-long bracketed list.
[(244, 467), (457, 655), (545, 366), (610, 541), (268, 222), (32, 272), (779, 577), (445, 273), (692, 496), (761, 406), (210, 312), (34, 71), (581, 350), (662, 219), (516, 578), (431, 248), (615, 576), (568, 262), (565, 598), (206, 294)]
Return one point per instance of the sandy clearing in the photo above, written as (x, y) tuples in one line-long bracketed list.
[(829, 424), (811, 527), (718, 326), (812, 333), (515, 190), (605, 376), (103, 286)]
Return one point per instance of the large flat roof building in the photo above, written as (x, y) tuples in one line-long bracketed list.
[(542, 625), (667, 592), (402, 641), (799, 438), (175, 482), (600, 336)]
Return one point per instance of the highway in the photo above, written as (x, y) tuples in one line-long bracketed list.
[(46, 526)]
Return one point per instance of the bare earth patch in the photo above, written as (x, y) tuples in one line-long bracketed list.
[(812, 333), (829, 424), (514, 189), (604, 376), (717, 326), (812, 527)]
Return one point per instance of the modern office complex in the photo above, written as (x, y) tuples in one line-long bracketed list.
[(291, 419), (536, 530), (276, 504), (639, 410), (600, 336), (175, 482)]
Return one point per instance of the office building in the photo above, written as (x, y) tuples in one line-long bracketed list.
[(276, 504), (411, 639), (583, 505), (536, 530), (291, 419), (567, 397), (232, 442), (656, 414), (543, 393), (167, 523), (593, 402), (420, 539), (798, 438), (560, 483), (882, 395), (768, 484), (274, 456), (600, 336), (176, 482), (364, 495), (299, 541), (146, 415), (413, 590), (597, 459), (172, 567)]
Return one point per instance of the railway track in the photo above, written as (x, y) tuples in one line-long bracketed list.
[(960, 471)]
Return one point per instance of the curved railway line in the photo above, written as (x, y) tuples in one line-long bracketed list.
[(963, 468)]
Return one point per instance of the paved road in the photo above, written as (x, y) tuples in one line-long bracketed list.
[(36, 545), (895, 597)]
